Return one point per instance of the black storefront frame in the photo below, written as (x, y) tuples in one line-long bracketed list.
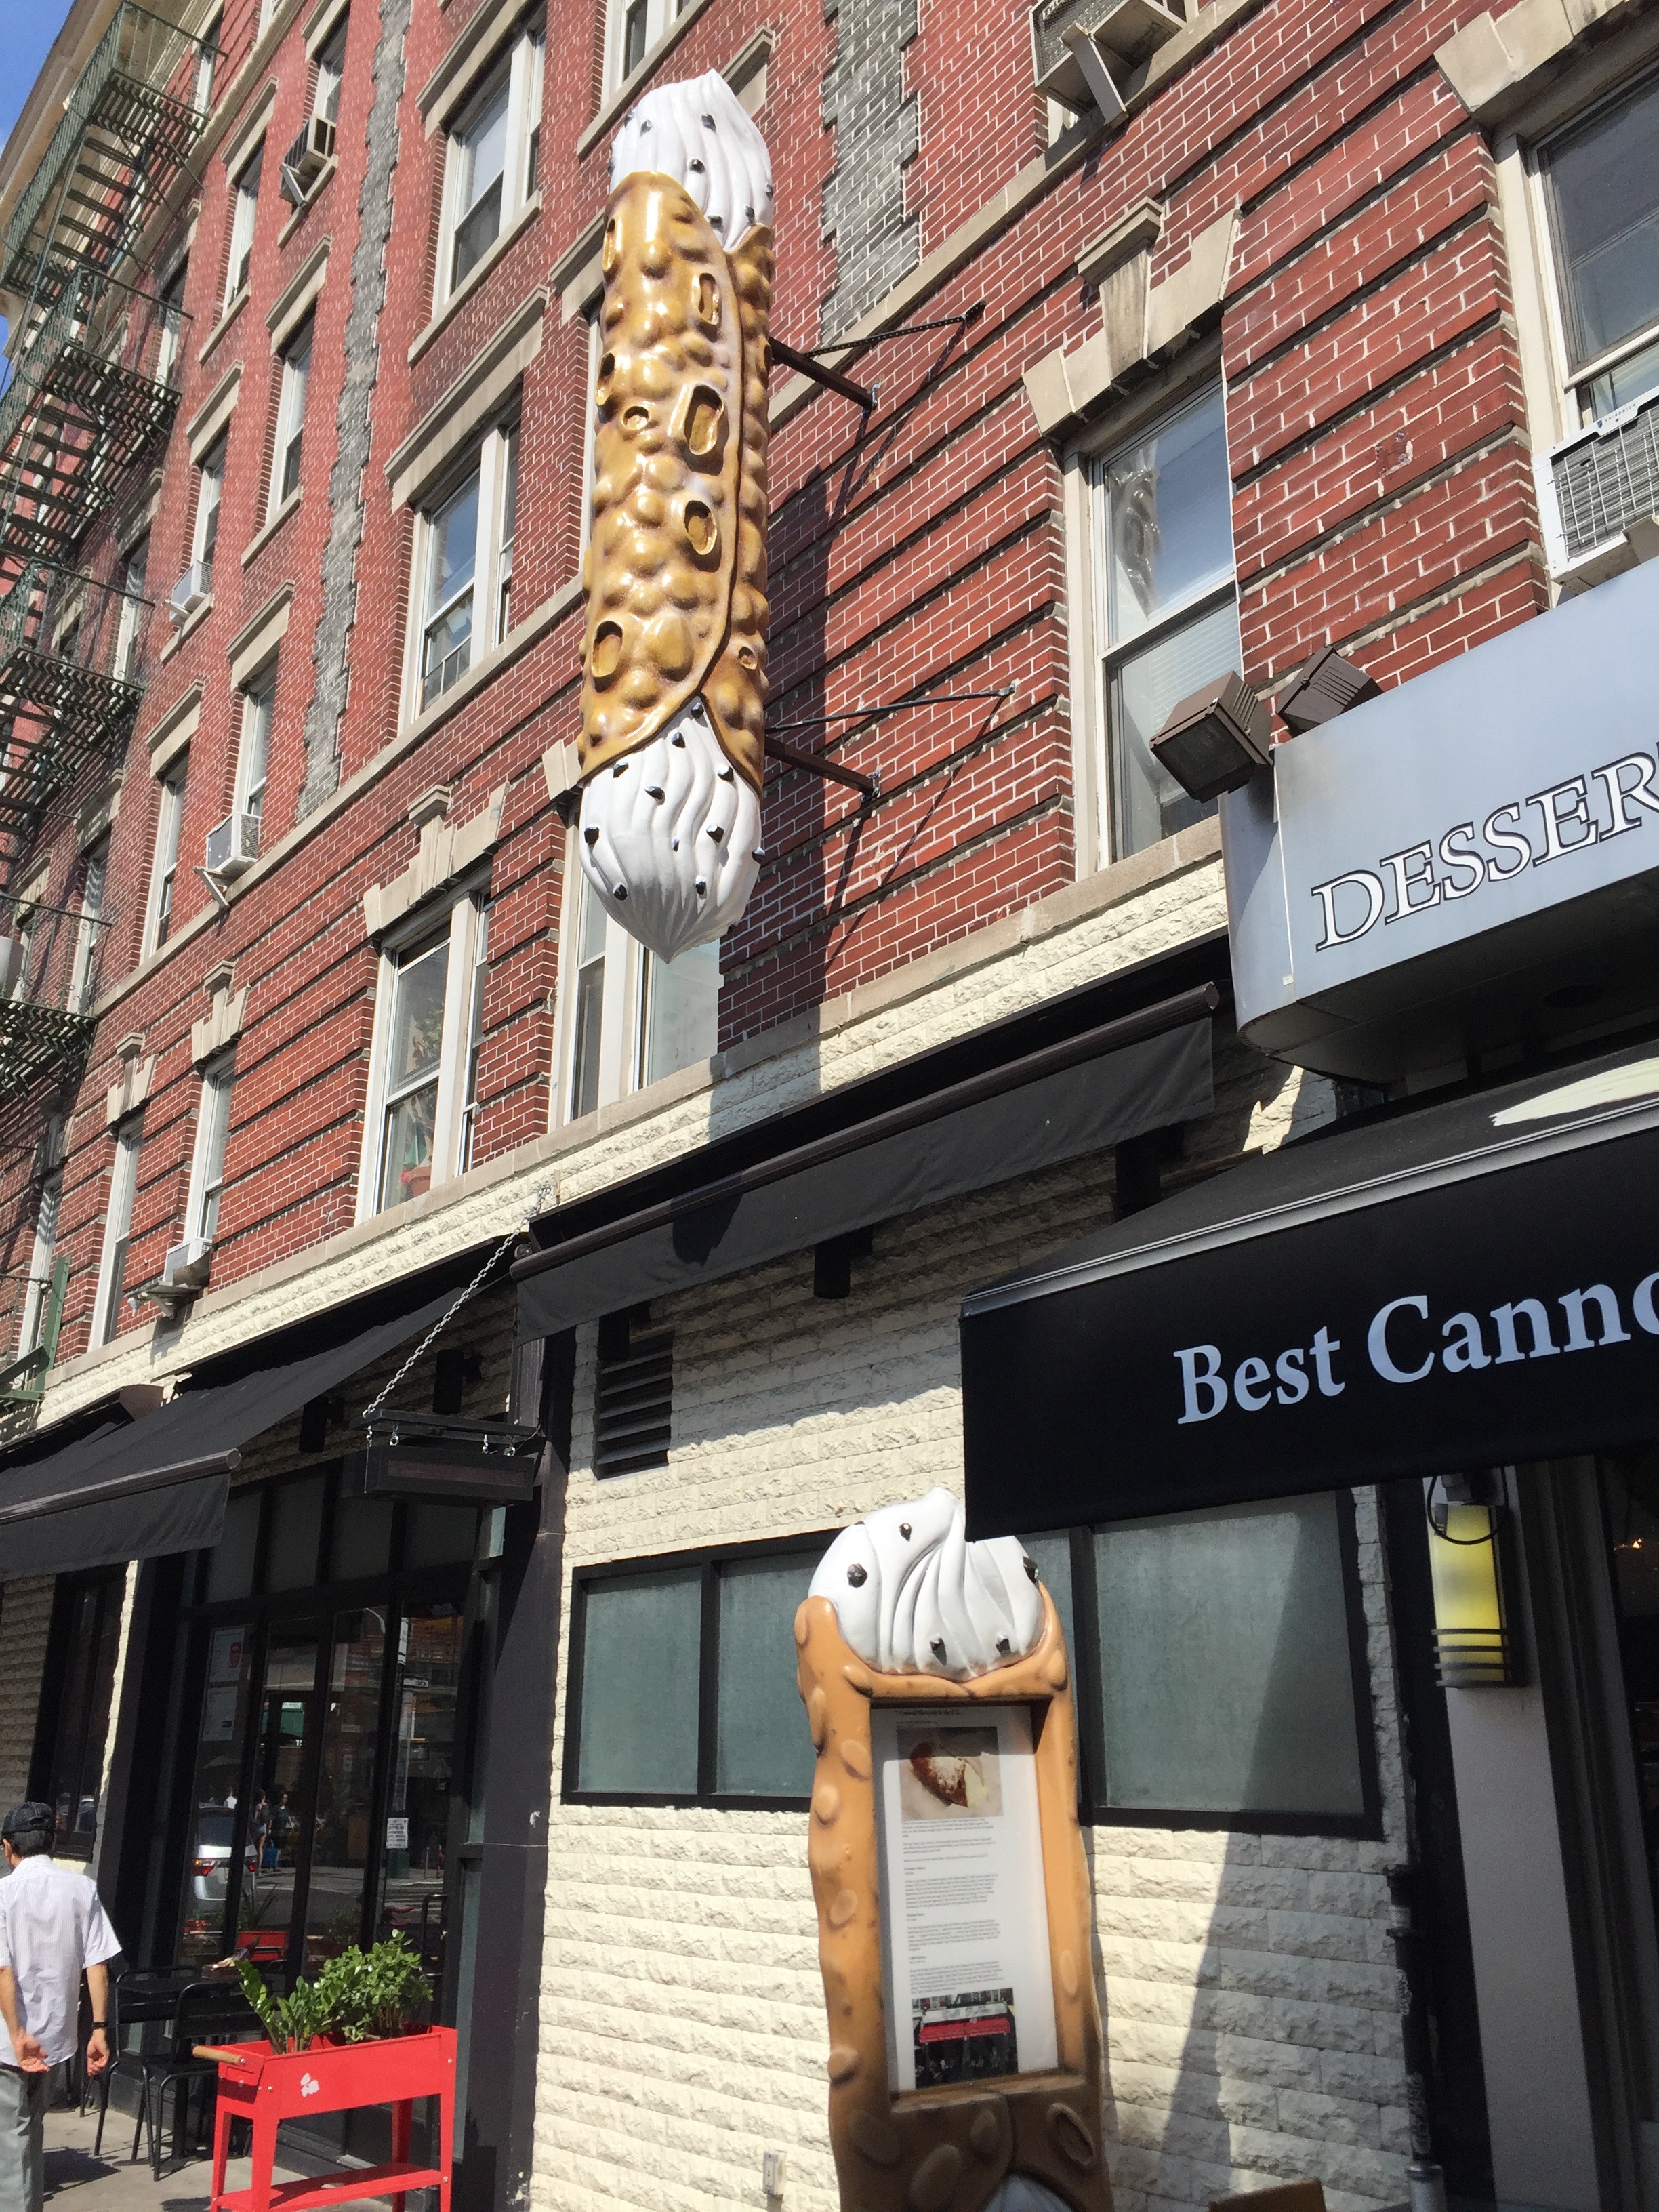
[(397, 1590), (705, 1560), (1366, 1825)]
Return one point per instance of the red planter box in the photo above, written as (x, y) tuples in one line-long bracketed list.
[(265, 2087)]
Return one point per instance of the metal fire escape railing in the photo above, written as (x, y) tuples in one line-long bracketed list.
[(72, 664), (49, 967), (128, 128)]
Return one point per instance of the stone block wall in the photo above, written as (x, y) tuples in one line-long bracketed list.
[(25, 1625)]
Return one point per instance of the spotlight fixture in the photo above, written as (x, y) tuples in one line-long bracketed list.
[(1327, 687), (1215, 740)]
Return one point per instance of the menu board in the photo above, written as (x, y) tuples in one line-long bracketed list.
[(964, 1923)]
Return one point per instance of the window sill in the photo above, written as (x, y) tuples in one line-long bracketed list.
[(629, 90), (223, 324), (192, 620), (307, 202), (258, 543), (474, 278)]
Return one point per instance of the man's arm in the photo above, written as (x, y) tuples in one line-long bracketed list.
[(97, 2042), (29, 2053)]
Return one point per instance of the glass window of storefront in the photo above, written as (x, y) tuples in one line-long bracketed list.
[(328, 1638), (85, 1636)]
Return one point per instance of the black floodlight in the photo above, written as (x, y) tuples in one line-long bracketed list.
[(1216, 739), (1327, 687)]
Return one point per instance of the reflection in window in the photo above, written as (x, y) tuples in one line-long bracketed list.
[(1604, 186), (345, 1786), (91, 1633), (414, 1057), (424, 1773), (492, 160), (221, 1744), (1171, 616), (446, 647)]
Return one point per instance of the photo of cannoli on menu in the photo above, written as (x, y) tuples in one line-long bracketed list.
[(949, 1772)]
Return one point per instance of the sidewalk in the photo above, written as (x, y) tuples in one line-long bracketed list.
[(78, 2182)]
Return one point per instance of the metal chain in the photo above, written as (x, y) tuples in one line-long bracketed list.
[(450, 1311)]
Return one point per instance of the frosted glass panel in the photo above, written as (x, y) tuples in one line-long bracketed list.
[(640, 1663), (763, 1746), (1226, 1682), (1052, 1555)]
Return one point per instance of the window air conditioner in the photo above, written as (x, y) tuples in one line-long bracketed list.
[(1084, 51), (191, 590), (306, 158), (1598, 494), (232, 846), (186, 1267)]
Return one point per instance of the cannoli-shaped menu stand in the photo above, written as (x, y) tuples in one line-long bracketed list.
[(948, 2148)]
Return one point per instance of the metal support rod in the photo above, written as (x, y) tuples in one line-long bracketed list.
[(804, 364), (892, 706), (900, 330), (815, 764)]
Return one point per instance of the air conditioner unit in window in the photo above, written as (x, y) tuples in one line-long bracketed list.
[(191, 590), (187, 1266), (232, 846), (1085, 51), (1598, 494), (305, 159)]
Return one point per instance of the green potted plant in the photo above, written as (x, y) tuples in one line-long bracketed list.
[(359, 1996)]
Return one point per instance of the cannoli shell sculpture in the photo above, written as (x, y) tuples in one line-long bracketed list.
[(945, 2150), (676, 566)]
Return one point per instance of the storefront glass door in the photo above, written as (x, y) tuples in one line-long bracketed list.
[(424, 1774)]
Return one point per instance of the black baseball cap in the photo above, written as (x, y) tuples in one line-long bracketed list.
[(31, 1818)]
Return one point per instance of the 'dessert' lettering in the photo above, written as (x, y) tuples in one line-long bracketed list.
[(1406, 1343)]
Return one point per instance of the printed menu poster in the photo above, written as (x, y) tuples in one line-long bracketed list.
[(964, 1920)]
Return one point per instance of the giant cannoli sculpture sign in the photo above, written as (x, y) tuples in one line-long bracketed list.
[(947, 1865), (674, 660)]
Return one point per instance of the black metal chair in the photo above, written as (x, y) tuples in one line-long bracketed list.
[(204, 2012)]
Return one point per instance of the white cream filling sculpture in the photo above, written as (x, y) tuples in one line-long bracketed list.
[(674, 661)]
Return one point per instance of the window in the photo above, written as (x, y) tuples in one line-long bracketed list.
[(85, 1637), (164, 867), (210, 35), (169, 344), (206, 1167), (118, 1230), (474, 1043), (632, 28), (1220, 1664), (422, 1059), (331, 68), (32, 1323), (129, 621), (1171, 616), (633, 1395), (83, 965), (291, 414), (466, 545), (209, 490), (491, 161), (253, 755), (629, 1018), (243, 206), (1602, 184), (645, 1725)]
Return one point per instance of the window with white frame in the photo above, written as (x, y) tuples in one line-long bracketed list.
[(463, 550), (1168, 604), (491, 163), (207, 1166), (129, 627), (1600, 179), (245, 205), (330, 68), (169, 344), (628, 1017), (209, 490), (164, 865), (632, 28), (118, 1230), (254, 753), (423, 1060), (32, 1323), (291, 416), (83, 966), (210, 38), (467, 1150)]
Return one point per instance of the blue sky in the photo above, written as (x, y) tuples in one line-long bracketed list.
[(27, 28)]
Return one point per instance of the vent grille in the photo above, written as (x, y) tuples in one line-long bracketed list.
[(1609, 478), (634, 1403)]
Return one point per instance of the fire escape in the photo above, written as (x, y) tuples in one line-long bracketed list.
[(95, 359)]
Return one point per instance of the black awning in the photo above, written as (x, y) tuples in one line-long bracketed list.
[(1146, 1070), (158, 1484), (1461, 1284)]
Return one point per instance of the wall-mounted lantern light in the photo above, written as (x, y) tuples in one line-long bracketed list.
[(1472, 1647), (1215, 740)]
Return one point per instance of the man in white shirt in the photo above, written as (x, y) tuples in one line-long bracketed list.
[(52, 1926)]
